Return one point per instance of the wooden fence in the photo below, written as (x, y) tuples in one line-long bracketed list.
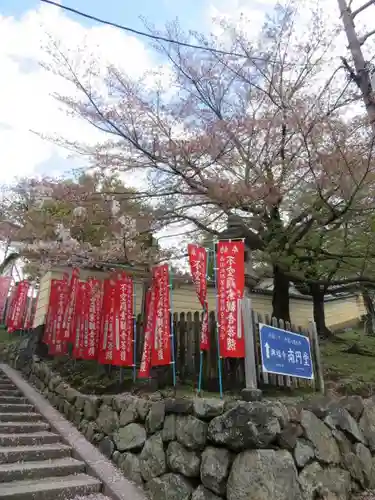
[(187, 327)]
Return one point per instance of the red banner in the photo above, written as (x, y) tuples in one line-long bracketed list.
[(51, 312), (108, 314), (93, 307), (161, 352), (149, 330), (230, 285), (80, 319), (198, 266), (5, 282), (57, 345), (10, 306), (104, 322), (19, 306), (124, 324), (68, 323), (29, 316), (61, 306)]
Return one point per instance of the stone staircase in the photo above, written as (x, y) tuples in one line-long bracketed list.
[(34, 463)]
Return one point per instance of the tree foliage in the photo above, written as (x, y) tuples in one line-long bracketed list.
[(85, 221)]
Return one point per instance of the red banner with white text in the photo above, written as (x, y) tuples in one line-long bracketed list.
[(68, 322), (106, 343), (30, 310), (51, 312), (19, 306), (124, 323), (9, 311), (11, 307), (58, 345), (198, 267), (93, 306), (149, 330), (230, 287), (5, 282), (161, 352), (80, 319)]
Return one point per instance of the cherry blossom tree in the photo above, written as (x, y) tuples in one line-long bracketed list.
[(256, 133), (85, 221)]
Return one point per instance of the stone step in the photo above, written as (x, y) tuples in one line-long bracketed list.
[(16, 407), (10, 392), (20, 417), (22, 427), (4, 400), (42, 469), (94, 496), (6, 384), (54, 488), (29, 439), (8, 388), (12, 454)]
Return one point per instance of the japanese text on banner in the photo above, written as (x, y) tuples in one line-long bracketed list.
[(19, 306), (151, 300), (230, 289), (80, 319), (161, 352), (57, 345), (68, 322), (30, 310), (51, 312), (198, 266), (58, 338), (106, 344), (10, 307), (93, 308), (124, 333)]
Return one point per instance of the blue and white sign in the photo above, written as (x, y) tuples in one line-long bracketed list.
[(285, 353)]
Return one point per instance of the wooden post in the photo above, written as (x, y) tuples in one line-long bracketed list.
[(251, 391), (316, 353)]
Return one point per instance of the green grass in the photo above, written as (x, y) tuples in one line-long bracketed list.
[(7, 338), (349, 372)]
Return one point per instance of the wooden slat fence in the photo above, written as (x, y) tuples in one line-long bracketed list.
[(186, 333)]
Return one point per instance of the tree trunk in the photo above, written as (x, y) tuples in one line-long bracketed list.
[(280, 298), (370, 310), (319, 312)]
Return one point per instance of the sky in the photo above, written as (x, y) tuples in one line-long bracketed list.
[(26, 103)]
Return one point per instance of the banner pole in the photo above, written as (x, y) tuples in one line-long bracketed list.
[(204, 313), (217, 322), (172, 328), (134, 333)]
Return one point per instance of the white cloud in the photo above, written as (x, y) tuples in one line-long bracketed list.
[(25, 87)]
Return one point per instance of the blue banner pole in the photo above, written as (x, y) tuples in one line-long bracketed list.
[(134, 333), (217, 322), (172, 328)]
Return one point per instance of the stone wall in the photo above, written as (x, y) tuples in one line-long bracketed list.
[(208, 449)]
